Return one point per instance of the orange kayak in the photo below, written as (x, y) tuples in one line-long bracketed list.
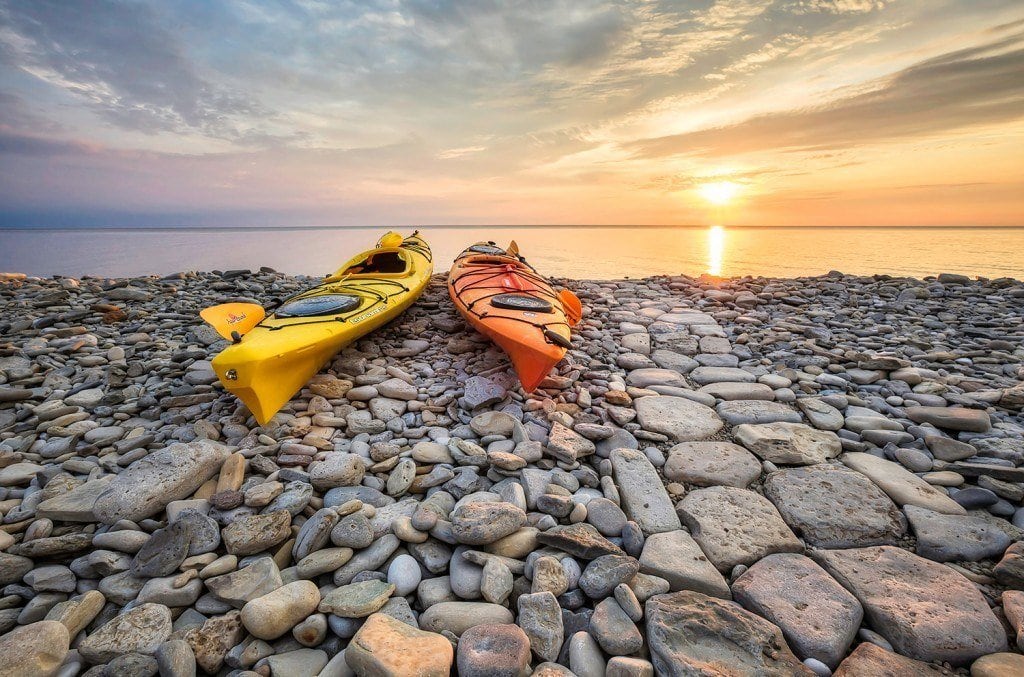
[(505, 299)]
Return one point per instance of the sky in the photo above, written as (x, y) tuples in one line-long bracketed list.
[(399, 112)]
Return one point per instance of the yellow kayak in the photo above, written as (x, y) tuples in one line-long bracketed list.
[(274, 359)]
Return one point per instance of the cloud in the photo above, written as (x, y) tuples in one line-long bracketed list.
[(974, 86), (121, 61)]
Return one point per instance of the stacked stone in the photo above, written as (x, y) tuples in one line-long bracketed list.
[(816, 476)]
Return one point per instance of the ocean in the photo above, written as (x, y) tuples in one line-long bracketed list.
[(590, 252)]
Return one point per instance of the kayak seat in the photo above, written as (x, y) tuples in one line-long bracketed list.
[(389, 263)]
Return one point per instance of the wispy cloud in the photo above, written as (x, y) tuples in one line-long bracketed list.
[(969, 87)]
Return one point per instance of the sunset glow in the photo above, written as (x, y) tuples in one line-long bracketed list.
[(719, 193), (803, 112)]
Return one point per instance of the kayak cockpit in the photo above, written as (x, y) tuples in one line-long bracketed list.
[(389, 262)]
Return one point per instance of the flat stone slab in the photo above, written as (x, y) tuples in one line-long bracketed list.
[(709, 464), (925, 610), (705, 375), (739, 391), (677, 558), (681, 419), (739, 412), (833, 507), (789, 443), (954, 538), (822, 415), (146, 486), (952, 418), (644, 378), (818, 617), (902, 486), (644, 498), (669, 359), (76, 505), (736, 526), (689, 633)]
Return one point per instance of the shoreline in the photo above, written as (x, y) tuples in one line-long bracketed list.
[(854, 443)]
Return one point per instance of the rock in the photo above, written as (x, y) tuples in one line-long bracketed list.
[(211, 640), (34, 650), (689, 633), (337, 470), (822, 415), (483, 523), (13, 568), (740, 412), (77, 504), (950, 538), (482, 392), (384, 647), (926, 610), (140, 630), (176, 659), (77, 613), (1010, 569), (494, 651), (711, 464), (251, 534), (870, 660), (585, 657), (676, 557), (567, 445), (248, 583), (644, 499), (606, 516), (357, 600), (998, 665), (625, 666), (580, 540), (164, 552), (789, 443), (681, 419), (902, 486), (274, 614), (614, 630), (604, 573), (952, 418), (833, 507), (817, 616), (541, 619), (493, 423), (457, 617), (647, 377), (298, 662), (170, 474), (736, 526)]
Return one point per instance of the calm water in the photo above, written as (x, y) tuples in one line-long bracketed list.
[(580, 251)]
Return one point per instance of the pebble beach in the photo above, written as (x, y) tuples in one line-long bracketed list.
[(743, 476)]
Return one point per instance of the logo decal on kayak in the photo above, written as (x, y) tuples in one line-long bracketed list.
[(376, 311), (235, 319)]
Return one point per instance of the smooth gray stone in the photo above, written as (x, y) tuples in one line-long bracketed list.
[(952, 538), (676, 557), (644, 498)]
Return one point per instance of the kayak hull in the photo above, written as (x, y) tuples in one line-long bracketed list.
[(274, 360), (535, 341)]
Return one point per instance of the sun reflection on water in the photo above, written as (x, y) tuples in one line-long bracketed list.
[(716, 248)]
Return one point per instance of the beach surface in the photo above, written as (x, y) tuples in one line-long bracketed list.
[(745, 476)]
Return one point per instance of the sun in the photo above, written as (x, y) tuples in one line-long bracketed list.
[(719, 192)]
